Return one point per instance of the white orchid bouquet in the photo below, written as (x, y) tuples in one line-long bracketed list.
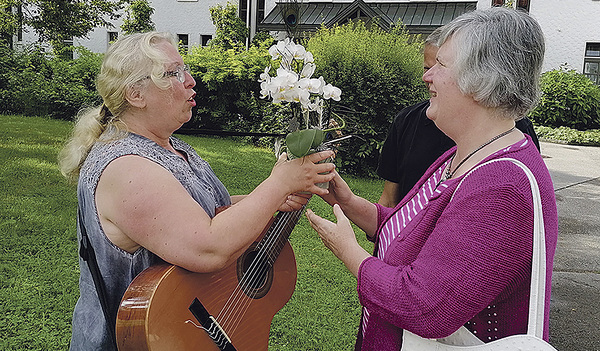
[(293, 84)]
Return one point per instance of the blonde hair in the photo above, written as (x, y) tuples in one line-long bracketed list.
[(128, 63)]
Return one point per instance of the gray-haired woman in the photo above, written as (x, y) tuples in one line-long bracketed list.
[(450, 256)]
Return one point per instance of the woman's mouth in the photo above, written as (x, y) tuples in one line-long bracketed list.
[(191, 100)]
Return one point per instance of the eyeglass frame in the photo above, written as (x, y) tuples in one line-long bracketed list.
[(179, 73)]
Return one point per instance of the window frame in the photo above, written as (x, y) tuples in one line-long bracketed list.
[(593, 59), (183, 44)]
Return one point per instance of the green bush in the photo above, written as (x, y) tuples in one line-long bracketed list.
[(379, 73), (36, 83), (568, 99), (24, 80), (228, 90)]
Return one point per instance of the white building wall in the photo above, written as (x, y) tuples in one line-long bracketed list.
[(191, 17), (567, 26)]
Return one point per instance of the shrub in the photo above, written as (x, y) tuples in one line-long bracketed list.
[(379, 73), (567, 135), (568, 99), (36, 83), (227, 88)]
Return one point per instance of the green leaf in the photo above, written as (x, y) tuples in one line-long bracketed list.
[(300, 142)]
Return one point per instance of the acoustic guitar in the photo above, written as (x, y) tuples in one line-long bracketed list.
[(169, 308)]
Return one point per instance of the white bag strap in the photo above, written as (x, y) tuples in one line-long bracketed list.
[(537, 297)]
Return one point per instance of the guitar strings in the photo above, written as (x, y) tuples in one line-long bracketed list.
[(257, 270), (254, 271), (247, 278)]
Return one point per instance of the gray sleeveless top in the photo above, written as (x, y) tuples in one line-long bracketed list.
[(119, 267)]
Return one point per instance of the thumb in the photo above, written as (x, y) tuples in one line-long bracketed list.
[(282, 158), (339, 213)]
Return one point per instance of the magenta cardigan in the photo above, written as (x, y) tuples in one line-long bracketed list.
[(462, 262)]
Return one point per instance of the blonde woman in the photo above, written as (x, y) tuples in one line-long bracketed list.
[(146, 196)]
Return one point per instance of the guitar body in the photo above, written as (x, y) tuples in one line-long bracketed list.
[(154, 313)]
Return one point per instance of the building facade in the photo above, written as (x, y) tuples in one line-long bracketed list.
[(571, 27)]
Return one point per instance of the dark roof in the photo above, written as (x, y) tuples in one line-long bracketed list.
[(419, 17)]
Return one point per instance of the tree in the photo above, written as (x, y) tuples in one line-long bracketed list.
[(57, 20), (138, 18), (230, 30)]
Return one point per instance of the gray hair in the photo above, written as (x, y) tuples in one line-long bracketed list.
[(499, 56)]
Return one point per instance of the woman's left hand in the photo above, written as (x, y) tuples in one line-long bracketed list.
[(339, 238)]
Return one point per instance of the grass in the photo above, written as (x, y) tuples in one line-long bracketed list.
[(38, 259)]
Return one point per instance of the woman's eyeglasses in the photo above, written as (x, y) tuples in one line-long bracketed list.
[(179, 72)]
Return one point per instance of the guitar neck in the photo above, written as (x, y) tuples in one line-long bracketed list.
[(278, 233)]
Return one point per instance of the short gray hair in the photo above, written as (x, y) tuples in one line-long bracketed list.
[(500, 52)]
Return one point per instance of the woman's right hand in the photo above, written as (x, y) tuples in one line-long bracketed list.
[(339, 191)]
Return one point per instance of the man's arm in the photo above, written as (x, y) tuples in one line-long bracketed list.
[(390, 195)]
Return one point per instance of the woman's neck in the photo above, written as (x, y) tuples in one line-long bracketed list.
[(480, 141), (137, 125)]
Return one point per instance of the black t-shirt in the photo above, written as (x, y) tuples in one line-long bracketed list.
[(414, 142)]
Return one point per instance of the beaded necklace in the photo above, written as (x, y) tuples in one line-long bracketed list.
[(449, 174)]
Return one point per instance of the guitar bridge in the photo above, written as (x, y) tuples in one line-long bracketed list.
[(211, 326)]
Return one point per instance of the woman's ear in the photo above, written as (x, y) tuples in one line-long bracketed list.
[(135, 97)]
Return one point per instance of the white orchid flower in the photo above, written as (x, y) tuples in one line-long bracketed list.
[(265, 89), (265, 77), (303, 98), (308, 70), (278, 97), (298, 52), (322, 80), (331, 92), (308, 57), (274, 52), (314, 85)]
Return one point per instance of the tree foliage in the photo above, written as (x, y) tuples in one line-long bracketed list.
[(57, 20), (379, 73), (230, 31), (138, 18)]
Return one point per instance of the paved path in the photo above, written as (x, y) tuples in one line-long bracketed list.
[(575, 306)]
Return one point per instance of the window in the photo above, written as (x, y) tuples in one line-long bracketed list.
[(20, 29), (521, 4), (183, 42), (205, 39), (112, 37), (243, 10), (261, 11), (591, 62), (67, 51)]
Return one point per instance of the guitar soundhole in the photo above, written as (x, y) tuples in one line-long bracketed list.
[(255, 274)]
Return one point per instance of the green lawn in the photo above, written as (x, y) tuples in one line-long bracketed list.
[(38, 258)]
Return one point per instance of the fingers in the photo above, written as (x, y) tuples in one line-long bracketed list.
[(320, 156), (296, 201)]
